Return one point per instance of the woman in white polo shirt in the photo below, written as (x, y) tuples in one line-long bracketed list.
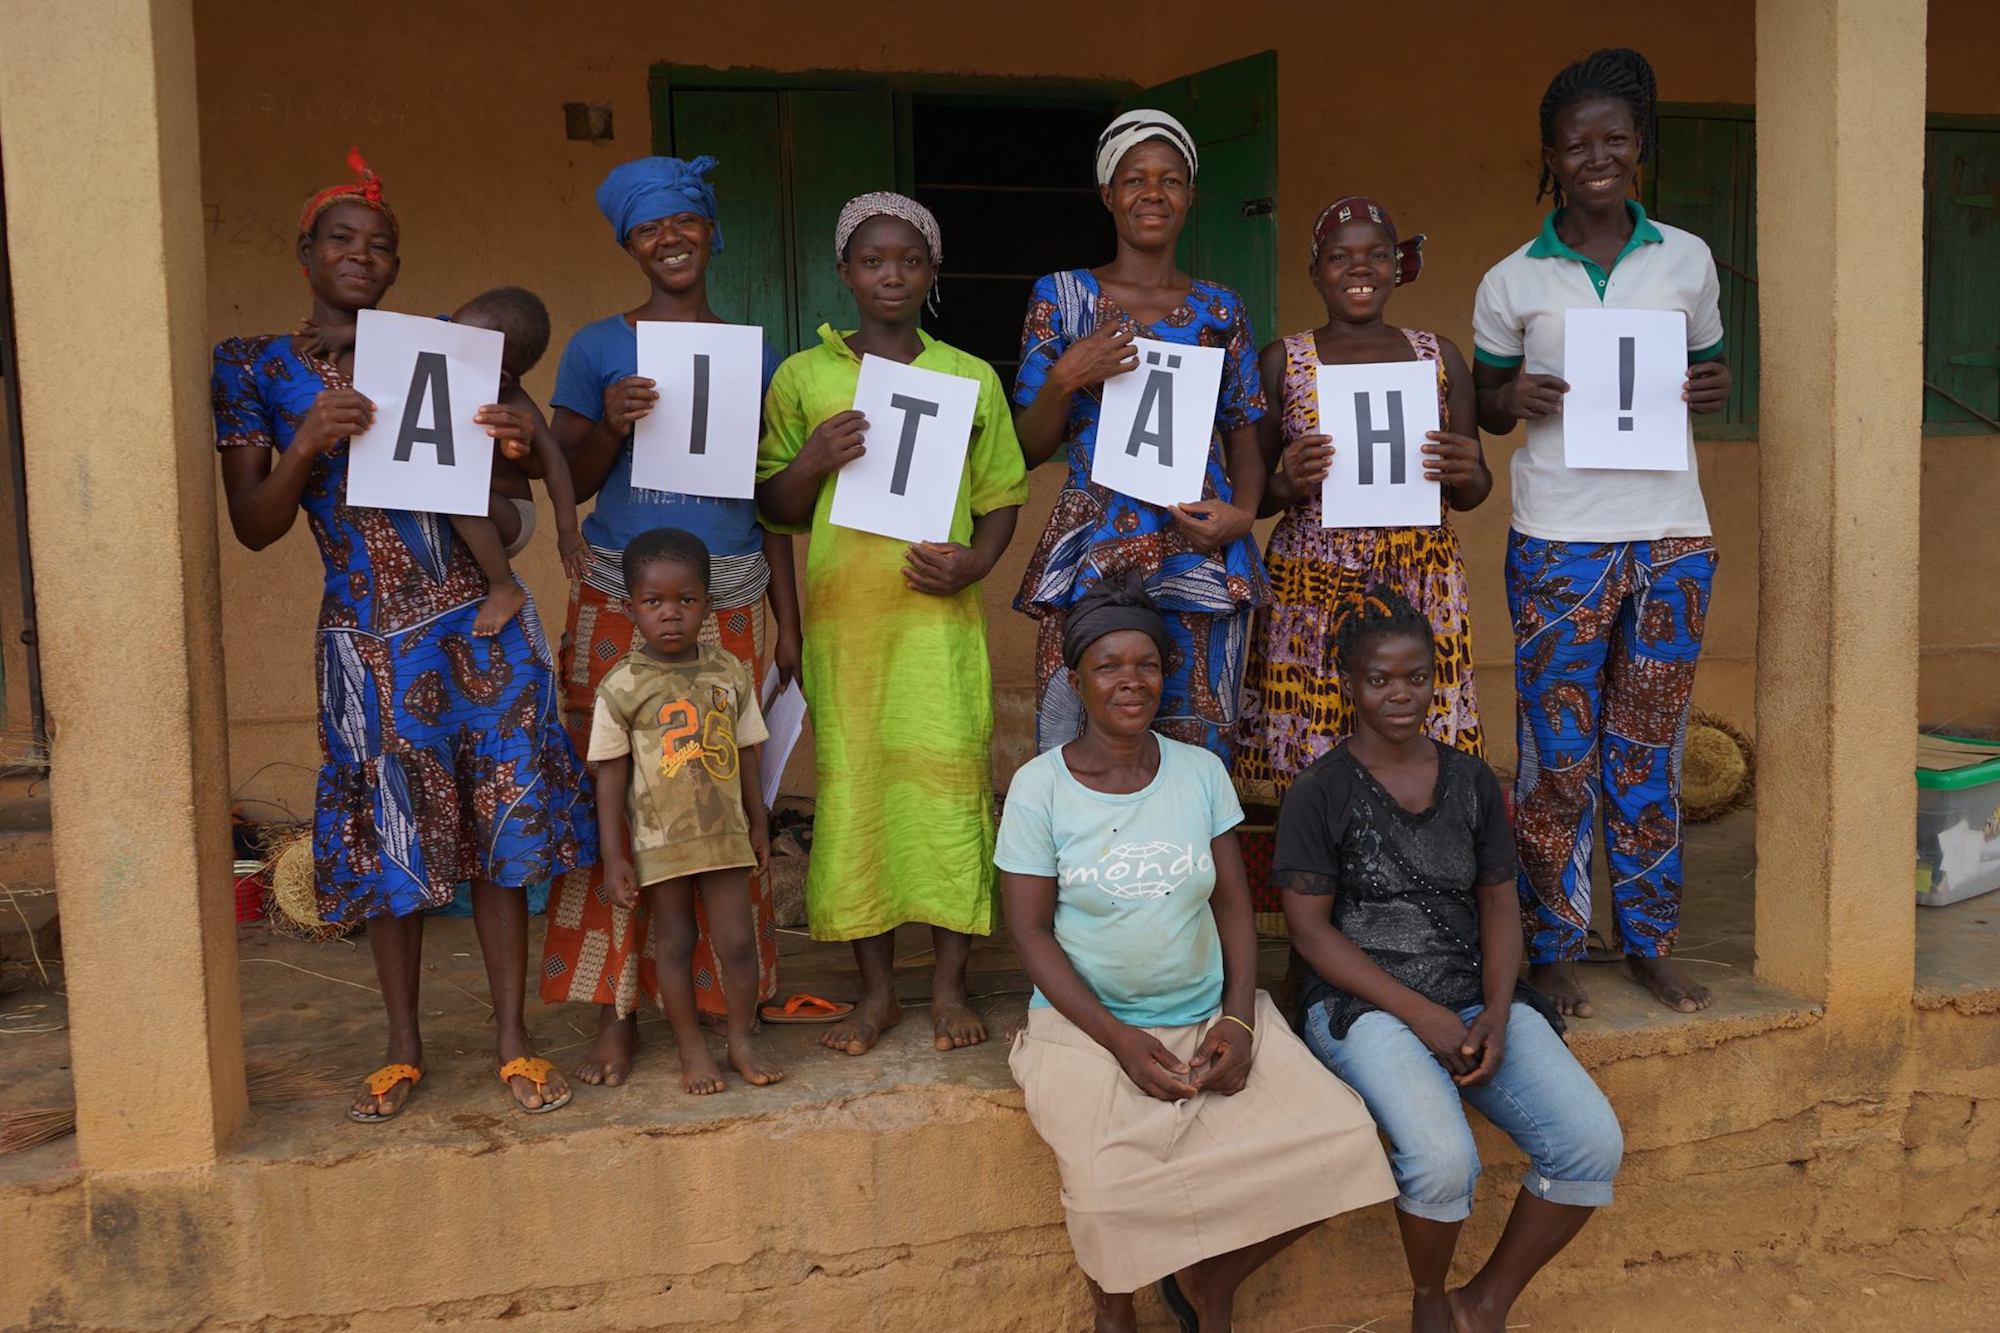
[(1608, 572)]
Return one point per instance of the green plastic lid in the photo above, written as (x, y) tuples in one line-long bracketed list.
[(1953, 763)]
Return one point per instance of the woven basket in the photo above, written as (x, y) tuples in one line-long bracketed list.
[(1718, 769)]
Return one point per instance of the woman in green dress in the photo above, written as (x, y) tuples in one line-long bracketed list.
[(895, 667)]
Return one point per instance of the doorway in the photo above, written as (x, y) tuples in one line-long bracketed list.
[(23, 744)]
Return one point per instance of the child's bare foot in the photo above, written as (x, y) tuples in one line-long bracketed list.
[(700, 1075), (503, 602), (954, 1022), (1671, 986), (1558, 982), (748, 1061), (609, 1058), (860, 1030)]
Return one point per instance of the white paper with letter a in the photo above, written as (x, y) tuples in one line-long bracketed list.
[(426, 377), (1624, 410), (1154, 430), (1378, 414), (919, 427), (701, 437)]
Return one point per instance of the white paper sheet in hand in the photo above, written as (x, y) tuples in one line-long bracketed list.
[(1624, 409), (701, 436), (785, 717), (919, 426), (1154, 430), (1378, 414), (427, 378)]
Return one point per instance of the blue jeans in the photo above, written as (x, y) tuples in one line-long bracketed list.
[(1540, 1096)]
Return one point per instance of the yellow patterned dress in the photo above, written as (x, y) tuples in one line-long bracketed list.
[(1293, 708)]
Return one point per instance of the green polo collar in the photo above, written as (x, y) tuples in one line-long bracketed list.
[(1548, 245)]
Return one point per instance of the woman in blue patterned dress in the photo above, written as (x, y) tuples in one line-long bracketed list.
[(1198, 561), (444, 758)]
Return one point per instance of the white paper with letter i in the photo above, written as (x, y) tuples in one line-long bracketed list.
[(426, 377), (701, 437), (1624, 408), (919, 426), (1154, 430), (1378, 414)]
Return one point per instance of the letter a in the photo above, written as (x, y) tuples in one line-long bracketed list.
[(1367, 437), (1159, 391), (430, 379), (914, 411)]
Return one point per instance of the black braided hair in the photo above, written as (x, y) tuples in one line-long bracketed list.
[(665, 546), (1615, 72), (1381, 613)]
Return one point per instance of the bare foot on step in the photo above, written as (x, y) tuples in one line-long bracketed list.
[(700, 1075), (1671, 986), (859, 1031), (609, 1059), (955, 1023), (1558, 982), (748, 1061)]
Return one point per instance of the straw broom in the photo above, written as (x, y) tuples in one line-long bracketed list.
[(270, 1082)]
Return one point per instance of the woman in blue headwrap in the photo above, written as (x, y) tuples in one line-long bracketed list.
[(662, 211)]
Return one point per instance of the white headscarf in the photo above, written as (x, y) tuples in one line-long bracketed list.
[(1136, 127)]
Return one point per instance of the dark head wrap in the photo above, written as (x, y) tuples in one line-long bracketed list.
[(365, 189), (1106, 609), (1409, 254), (658, 187)]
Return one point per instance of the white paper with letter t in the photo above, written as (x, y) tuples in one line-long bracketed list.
[(701, 437), (1624, 410), (1378, 414), (426, 377), (1154, 430), (919, 427)]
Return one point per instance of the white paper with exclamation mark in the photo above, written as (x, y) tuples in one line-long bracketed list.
[(1624, 407)]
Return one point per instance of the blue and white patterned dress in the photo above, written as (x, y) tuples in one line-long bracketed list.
[(444, 755)]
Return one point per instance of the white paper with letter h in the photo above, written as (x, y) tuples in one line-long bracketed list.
[(1378, 414)]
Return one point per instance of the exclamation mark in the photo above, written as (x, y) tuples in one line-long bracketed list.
[(1627, 353)]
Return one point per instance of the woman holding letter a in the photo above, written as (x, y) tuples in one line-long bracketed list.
[(896, 670), (1198, 560), (444, 757), (662, 211), (1294, 707), (1608, 571)]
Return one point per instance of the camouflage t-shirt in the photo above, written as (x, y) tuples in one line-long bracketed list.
[(682, 724)]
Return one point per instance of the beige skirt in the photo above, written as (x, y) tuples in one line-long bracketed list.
[(1150, 1187)]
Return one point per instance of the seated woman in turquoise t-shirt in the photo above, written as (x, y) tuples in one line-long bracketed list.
[(1196, 1136)]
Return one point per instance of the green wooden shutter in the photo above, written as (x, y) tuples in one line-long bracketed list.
[(1232, 238), (746, 282), (1704, 179), (842, 143), (1961, 274)]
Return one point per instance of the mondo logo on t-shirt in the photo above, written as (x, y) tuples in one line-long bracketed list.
[(1142, 869)]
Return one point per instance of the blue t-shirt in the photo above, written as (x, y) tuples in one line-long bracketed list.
[(1133, 877), (599, 355)]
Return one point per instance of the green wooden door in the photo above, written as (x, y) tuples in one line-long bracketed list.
[(1232, 112), (1704, 180), (787, 159), (1962, 260)]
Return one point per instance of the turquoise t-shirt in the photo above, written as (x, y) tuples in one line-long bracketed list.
[(1133, 877)]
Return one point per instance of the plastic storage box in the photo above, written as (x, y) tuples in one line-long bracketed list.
[(1958, 819)]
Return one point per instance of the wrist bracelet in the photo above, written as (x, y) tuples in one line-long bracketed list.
[(1232, 1018)]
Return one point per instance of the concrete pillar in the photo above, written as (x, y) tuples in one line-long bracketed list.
[(1840, 132), (104, 234)]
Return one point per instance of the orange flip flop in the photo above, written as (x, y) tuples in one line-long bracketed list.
[(379, 1082), (536, 1070), (805, 1009)]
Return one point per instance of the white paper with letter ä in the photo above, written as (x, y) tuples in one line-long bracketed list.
[(1624, 409), (1154, 430), (426, 377), (701, 436), (1378, 414), (919, 427)]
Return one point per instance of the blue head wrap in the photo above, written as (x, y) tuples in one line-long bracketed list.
[(656, 187)]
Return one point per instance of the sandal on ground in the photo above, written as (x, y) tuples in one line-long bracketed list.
[(1178, 1304), (380, 1082), (536, 1070), (806, 1009)]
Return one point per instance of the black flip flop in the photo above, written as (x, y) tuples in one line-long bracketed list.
[(1177, 1304)]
